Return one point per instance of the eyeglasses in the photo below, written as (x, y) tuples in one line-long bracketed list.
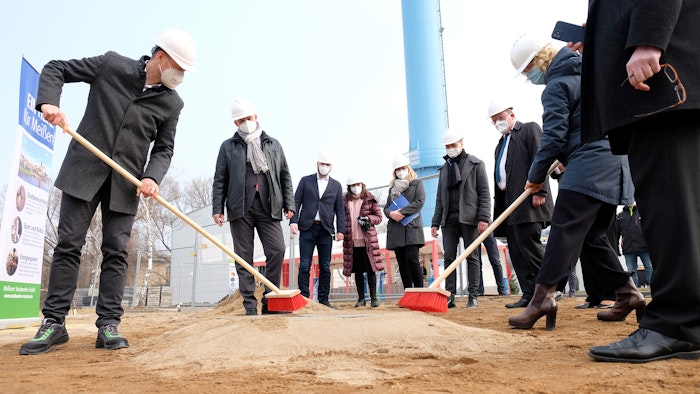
[(678, 88)]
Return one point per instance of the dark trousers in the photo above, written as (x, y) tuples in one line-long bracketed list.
[(491, 246), (315, 237), (272, 239), (526, 253), (665, 168), (452, 231), (410, 268), (74, 222), (579, 226), (360, 266)]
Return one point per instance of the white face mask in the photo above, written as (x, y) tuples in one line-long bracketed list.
[(453, 152), (401, 174), (248, 126), (356, 190), (324, 170), (171, 77), (502, 126)]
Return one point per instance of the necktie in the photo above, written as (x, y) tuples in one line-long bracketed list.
[(498, 160)]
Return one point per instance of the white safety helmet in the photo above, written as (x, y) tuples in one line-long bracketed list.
[(401, 161), (524, 50), (496, 107), (354, 178), (450, 137), (180, 46), (325, 156), (242, 108)]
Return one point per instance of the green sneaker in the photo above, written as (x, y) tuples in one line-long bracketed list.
[(50, 333), (108, 337)]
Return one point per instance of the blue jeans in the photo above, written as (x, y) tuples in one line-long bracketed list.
[(631, 259), (318, 237)]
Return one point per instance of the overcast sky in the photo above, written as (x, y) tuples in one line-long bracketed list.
[(322, 73)]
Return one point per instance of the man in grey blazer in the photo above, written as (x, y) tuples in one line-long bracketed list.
[(132, 104), (462, 210)]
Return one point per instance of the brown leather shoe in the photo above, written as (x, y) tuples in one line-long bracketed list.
[(542, 303), (627, 299)]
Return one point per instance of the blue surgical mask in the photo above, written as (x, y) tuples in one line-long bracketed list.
[(536, 76)]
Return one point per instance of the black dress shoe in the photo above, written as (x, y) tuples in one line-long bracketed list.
[(645, 345), (328, 304), (585, 305), (521, 303), (251, 312)]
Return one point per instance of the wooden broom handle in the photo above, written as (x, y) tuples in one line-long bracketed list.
[(108, 160), (477, 242)]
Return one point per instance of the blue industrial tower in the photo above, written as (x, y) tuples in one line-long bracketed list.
[(425, 91)]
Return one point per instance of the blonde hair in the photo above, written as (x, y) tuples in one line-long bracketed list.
[(412, 176), (544, 57)]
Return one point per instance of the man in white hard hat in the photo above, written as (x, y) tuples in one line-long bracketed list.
[(118, 85), (319, 200), (462, 210), (514, 154), (252, 184)]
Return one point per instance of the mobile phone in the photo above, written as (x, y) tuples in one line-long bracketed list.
[(568, 32)]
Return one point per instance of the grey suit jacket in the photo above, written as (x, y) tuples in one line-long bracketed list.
[(121, 119)]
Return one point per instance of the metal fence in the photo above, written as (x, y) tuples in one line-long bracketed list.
[(202, 274)]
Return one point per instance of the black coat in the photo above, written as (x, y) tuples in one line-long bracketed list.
[(618, 26), (121, 119), (228, 190), (524, 141), (474, 195), (629, 226), (398, 235)]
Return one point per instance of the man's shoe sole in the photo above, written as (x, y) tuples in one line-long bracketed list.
[(695, 355), (63, 339)]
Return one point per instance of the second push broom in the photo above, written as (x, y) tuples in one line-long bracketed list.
[(433, 298)]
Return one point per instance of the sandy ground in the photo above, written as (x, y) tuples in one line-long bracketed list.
[(316, 349)]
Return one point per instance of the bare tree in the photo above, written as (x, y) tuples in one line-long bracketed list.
[(198, 193)]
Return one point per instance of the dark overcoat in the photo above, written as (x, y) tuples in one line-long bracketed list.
[(523, 144), (398, 235), (620, 26), (121, 119)]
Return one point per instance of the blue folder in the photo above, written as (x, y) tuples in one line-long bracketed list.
[(400, 202)]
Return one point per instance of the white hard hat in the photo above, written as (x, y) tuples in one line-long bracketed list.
[(354, 178), (242, 108), (450, 137), (496, 107), (524, 50), (401, 161), (325, 156), (180, 46)]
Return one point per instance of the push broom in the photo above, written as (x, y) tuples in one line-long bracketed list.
[(433, 298), (278, 300)]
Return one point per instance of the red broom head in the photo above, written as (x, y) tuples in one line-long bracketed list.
[(285, 301), (425, 300)]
